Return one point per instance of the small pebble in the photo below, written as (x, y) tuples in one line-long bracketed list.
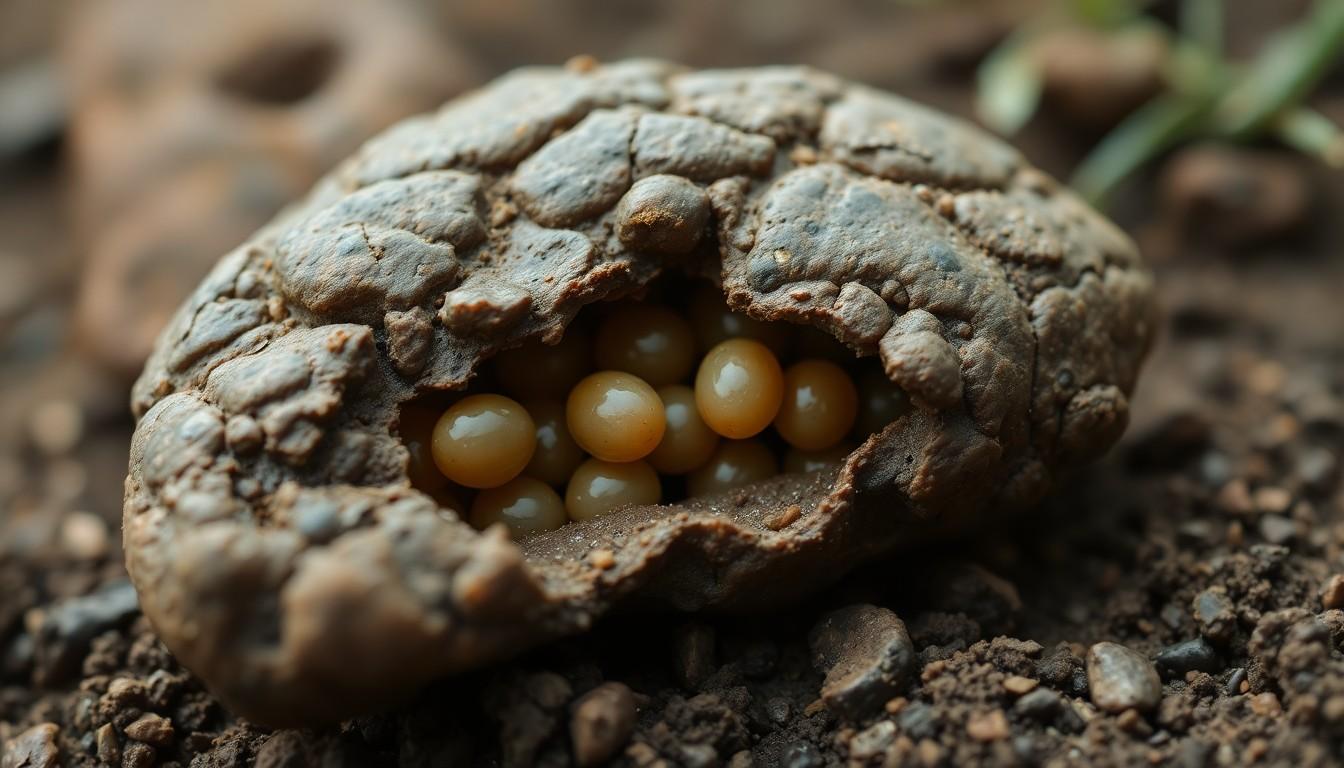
[(930, 753), (1266, 705), (1121, 678), (1041, 705), (56, 427), (1132, 722), (84, 535), (1332, 592), (1018, 685), (1318, 468), (68, 628), (867, 656), (698, 755), (803, 755), (1277, 529), (108, 745), (151, 729), (918, 721), (873, 741), (125, 692), (1272, 500), (1235, 497), (988, 726), (602, 559), (784, 518), (1214, 611), (601, 723), (1191, 655), (34, 748)]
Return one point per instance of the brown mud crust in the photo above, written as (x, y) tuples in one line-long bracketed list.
[(1226, 489), (268, 500), (1209, 545)]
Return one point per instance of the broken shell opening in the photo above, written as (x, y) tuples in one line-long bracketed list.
[(268, 500), (647, 406)]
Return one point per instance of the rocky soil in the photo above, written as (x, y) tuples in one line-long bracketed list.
[(1180, 603)]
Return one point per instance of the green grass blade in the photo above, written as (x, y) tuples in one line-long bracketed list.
[(1008, 86), (1312, 134), (1285, 72), (1141, 137)]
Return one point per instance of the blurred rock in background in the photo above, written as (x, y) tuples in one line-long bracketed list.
[(192, 123)]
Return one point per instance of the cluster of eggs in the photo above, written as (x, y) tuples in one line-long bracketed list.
[(606, 423)]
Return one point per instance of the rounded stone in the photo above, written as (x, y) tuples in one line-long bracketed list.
[(1120, 679)]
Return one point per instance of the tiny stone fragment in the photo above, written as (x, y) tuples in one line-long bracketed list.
[(601, 723), (1266, 704), (108, 745), (70, 626), (1277, 529), (988, 726), (1213, 611), (34, 748), (867, 656), (1332, 592), (1041, 704), (784, 518), (151, 729), (603, 559), (56, 426), (1121, 679), (873, 741), (84, 535), (1191, 655)]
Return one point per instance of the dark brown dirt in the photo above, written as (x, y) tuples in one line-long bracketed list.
[(1219, 519)]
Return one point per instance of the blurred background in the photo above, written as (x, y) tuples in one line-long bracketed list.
[(141, 139)]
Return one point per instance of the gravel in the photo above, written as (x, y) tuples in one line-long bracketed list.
[(1121, 678)]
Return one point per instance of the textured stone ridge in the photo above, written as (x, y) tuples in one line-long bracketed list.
[(269, 526)]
